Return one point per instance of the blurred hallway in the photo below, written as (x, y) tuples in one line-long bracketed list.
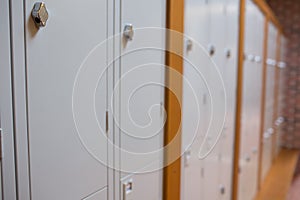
[(294, 192)]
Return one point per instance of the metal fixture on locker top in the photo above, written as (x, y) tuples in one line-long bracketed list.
[(281, 65), (227, 53), (251, 57), (128, 32), (39, 14), (211, 50), (271, 62), (257, 59)]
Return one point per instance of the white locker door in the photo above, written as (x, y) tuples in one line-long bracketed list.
[(230, 80), (247, 115), (194, 121), (213, 163), (62, 149), (141, 86), (256, 97), (269, 102)]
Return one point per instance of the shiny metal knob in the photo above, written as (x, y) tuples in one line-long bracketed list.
[(251, 57), (211, 50), (128, 32), (227, 53), (222, 189), (189, 45), (39, 14), (257, 59)]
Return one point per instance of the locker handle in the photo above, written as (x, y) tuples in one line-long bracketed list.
[(251, 57), (211, 50), (281, 65), (189, 45), (39, 14), (227, 53), (128, 32), (257, 59)]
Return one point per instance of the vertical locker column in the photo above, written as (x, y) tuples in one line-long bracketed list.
[(269, 101), (66, 90), (255, 107), (213, 163), (230, 54), (194, 121), (281, 87), (141, 89), (251, 95), (244, 149)]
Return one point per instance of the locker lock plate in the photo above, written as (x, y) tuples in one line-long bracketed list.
[(39, 14)]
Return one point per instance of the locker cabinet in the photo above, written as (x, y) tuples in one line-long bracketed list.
[(281, 88), (230, 79), (216, 29), (80, 82), (141, 84), (252, 84), (60, 165), (269, 101), (195, 103)]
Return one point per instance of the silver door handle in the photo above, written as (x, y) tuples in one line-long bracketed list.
[(128, 32), (39, 14), (211, 50)]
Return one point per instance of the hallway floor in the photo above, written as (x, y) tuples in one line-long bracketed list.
[(277, 183), (294, 191)]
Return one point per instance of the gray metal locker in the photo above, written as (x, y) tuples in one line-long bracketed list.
[(251, 95), (230, 55), (65, 151), (269, 101), (195, 102), (141, 98)]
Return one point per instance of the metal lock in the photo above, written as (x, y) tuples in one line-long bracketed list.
[(189, 45), (257, 59), (39, 14), (227, 53), (222, 189), (251, 57), (211, 50), (187, 157), (128, 189), (281, 65), (128, 32), (266, 135), (247, 158), (271, 62)]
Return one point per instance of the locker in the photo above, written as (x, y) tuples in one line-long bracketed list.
[(281, 82), (141, 86), (62, 165), (209, 177), (195, 102), (270, 83), (251, 110), (229, 76), (212, 163)]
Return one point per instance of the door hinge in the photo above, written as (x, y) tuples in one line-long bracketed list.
[(106, 122), (1, 144), (202, 172)]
